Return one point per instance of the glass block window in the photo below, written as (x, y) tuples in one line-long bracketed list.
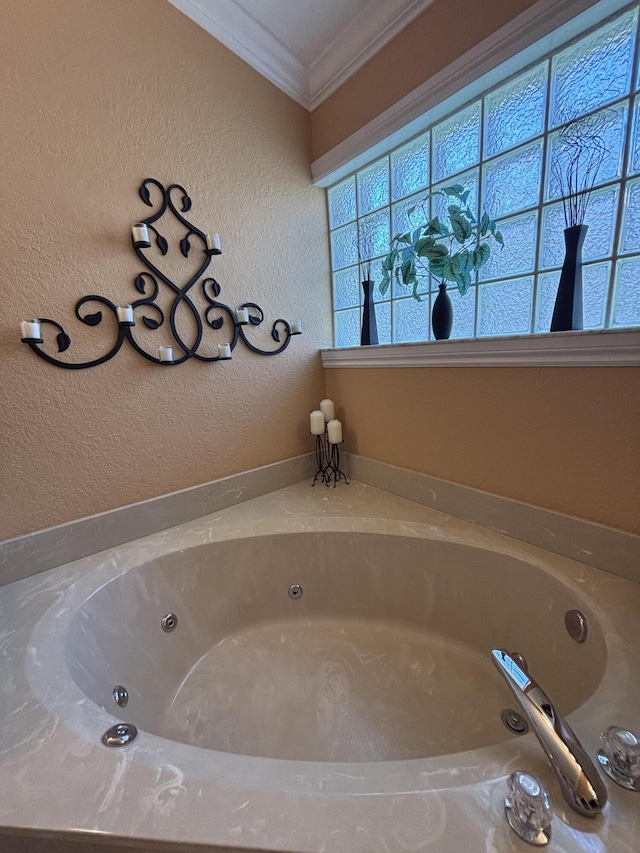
[(501, 147)]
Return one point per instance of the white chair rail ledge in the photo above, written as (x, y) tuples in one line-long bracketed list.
[(597, 348)]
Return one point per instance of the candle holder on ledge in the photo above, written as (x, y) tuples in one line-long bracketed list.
[(322, 459), (328, 432), (333, 470)]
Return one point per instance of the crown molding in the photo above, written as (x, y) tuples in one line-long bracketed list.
[(366, 34), (601, 348), (247, 37), (528, 37), (249, 40)]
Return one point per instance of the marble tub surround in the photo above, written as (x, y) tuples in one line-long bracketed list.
[(56, 776), (45, 549), (602, 547)]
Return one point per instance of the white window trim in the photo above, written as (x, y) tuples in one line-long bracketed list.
[(593, 348)]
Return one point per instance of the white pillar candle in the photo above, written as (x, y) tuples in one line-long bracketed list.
[(334, 431), (125, 314), (224, 351), (316, 422), (296, 327), (30, 330), (165, 353), (140, 234), (213, 244), (242, 316), (328, 410)]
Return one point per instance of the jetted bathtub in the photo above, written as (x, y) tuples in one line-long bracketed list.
[(326, 685), (384, 656)]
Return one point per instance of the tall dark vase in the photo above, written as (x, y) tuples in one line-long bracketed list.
[(442, 314), (567, 312), (369, 333)]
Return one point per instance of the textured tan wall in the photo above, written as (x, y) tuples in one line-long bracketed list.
[(441, 34), (561, 438), (94, 97)]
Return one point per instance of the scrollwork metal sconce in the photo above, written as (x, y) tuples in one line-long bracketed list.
[(147, 284)]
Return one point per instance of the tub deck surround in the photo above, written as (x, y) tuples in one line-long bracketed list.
[(36, 552), (602, 547), (55, 775)]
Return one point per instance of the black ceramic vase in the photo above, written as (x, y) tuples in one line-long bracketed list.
[(442, 314), (369, 334), (567, 312)]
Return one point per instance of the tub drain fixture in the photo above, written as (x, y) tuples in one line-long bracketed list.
[(295, 591), (120, 695), (119, 735), (515, 722), (169, 622), (576, 624)]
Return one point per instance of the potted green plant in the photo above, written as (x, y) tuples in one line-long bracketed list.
[(448, 252)]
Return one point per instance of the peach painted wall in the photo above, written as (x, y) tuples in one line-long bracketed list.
[(441, 34), (94, 97), (561, 438)]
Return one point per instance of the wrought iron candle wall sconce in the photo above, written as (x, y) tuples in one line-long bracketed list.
[(147, 284)]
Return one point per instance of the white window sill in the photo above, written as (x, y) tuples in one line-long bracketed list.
[(608, 348)]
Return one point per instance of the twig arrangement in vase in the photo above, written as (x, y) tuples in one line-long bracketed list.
[(365, 245), (579, 155), (445, 252)]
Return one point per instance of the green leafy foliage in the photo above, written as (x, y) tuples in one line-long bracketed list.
[(447, 254), (481, 255)]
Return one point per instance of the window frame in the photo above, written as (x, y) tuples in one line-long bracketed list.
[(595, 17)]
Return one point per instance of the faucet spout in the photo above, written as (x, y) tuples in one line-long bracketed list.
[(581, 784)]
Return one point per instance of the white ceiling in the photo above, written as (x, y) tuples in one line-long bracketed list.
[(306, 47)]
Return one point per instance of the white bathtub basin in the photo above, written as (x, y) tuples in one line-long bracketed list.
[(384, 657), (362, 717)]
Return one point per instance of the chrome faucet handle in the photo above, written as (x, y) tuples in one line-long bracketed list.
[(620, 757), (528, 808), (579, 779)]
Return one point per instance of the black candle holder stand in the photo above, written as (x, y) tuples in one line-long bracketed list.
[(334, 471), (328, 462), (322, 458)]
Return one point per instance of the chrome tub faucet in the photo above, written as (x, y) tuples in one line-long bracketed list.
[(581, 783)]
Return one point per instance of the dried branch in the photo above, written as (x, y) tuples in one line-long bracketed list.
[(365, 240), (580, 153)]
